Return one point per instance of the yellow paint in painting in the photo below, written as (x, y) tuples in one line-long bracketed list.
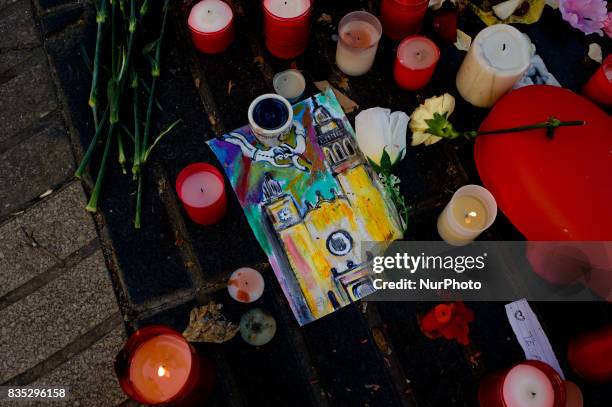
[(369, 204), (304, 259)]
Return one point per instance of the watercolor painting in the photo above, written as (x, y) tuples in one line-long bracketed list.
[(311, 202)]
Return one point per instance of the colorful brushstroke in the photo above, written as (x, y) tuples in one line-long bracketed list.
[(311, 204)]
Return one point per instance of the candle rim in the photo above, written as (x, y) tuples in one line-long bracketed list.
[(484, 33), (420, 37), (377, 27), (195, 168), (490, 205), (228, 26), (287, 19), (270, 133)]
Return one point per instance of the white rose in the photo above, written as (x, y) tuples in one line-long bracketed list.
[(379, 130)]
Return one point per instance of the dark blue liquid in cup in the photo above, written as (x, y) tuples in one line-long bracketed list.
[(270, 114)]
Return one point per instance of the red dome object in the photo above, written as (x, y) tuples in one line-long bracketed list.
[(559, 189), (590, 355)]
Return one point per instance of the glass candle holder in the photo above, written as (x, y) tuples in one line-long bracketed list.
[(471, 211), (287, 27), (415, 63), (158, 366), (401, 18), (358, 35), (211, 23), (529, 383), (599, 87)]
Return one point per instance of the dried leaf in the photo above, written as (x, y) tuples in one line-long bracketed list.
[(207, 324), (325, 18), (343, 83), (230, 85)]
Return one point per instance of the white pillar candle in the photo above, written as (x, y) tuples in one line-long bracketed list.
[(209, 16), (497, 59), (528, 386), (471, 210), (290, 84), (358, 36), (287, 8), (246, 285)]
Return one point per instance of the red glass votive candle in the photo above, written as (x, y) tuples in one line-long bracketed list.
[(211, 23), (590, 355), (401, 18), (599, 87), (287, 27), (445, 24), (201, 189), (415, 63), (530, 383), (158, 366)]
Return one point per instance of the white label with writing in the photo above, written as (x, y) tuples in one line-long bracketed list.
[(530, 334)]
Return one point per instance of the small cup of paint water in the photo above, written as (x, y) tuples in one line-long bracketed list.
[(271, 118)]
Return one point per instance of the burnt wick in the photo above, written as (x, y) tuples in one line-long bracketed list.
[(202, 189), (504, 47)]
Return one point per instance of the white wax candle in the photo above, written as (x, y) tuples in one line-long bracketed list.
[(290, 84), (287, 8), (201, 189), (418, 53), (209, 16), (528, 386), (498, 58), (471, 210), (257, 327), (246, 285), (359, 33)]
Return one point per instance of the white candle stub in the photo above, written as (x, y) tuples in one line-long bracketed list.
[(528, 386), (201, 189), (209, 16), (257, 327), (246, 285), (497, 59), (359, 33), (287, 8), (290, 84)]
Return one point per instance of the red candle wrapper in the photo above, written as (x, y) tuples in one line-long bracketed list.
[(203, 215), (196, 388), (490, 391), (414, 78), (590, 355), (401, 18), (599, 87), (445, 24), (286, 38), (213, 42)]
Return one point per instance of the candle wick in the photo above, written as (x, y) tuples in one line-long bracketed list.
[(202, 189), (504, 47)]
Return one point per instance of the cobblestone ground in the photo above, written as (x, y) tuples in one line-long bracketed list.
[(60, 324)]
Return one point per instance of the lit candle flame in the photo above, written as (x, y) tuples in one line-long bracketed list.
[(469, 216), (162, 371)]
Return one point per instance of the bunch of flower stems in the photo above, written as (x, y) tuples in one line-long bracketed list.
[(123, 19)]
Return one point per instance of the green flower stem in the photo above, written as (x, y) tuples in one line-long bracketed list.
[(136, 161), (551, 124), (138, 201), (93, 94), (92, 205), (92, 146), (397, 198), (121, 153)]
